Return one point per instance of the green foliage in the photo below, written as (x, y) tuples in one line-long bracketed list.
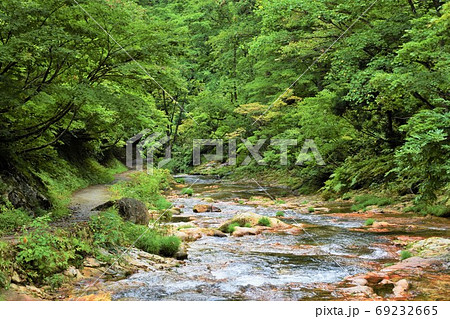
[(248, 225), (363, 201), (111, 232), (264, 221), (42, 252), (279, 214), (146, 188), (188, 191), (6, 264), (404, 254), (13, 219), (427, 209), (369, 222), (424, 160), (232, 227), (311, 209)]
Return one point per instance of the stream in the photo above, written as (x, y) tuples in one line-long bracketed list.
[(268, 266)]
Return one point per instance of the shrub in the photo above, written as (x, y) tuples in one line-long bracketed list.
[(248, 225), (311, 209), (369, 222), (187, 191), (145, 187), (404, 254), (107, 229), (264, 221), (422, 162), (279, 214), (43, 252), (13, 219)]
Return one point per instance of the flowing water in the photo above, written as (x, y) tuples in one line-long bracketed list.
[(264, 267)]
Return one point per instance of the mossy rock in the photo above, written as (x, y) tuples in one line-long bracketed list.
[(250, 219)]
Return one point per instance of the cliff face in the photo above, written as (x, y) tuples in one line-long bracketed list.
[(22, 191)]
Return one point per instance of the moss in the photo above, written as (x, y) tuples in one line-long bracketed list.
[(264, 221), (369, 222)]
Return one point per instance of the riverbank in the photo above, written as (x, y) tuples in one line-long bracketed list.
[(328, 252)]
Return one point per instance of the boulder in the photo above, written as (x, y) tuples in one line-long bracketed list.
[(201, 208), (400, 288), (380, 224), (181, 254), (244, 231), (133, 210), (413, 263), (433, 247), (251, 219), (72, 272)]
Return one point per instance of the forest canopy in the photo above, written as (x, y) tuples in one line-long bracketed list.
[(371, 84)]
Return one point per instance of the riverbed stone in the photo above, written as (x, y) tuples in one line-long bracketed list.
[(433, 247), (133, 210), (245, 231), (202, 208), (400, 288), (252, 219)]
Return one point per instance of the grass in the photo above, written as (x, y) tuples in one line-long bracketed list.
[(435, 210), (248, 225), (280, 201), (264, 221), (279, 214), (232, 227), (362, 201), (404, 254), (311, 209), (369, 222), (110, 231), (187, 191), (146, 188)]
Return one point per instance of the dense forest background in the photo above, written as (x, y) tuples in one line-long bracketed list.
[(372, 91)]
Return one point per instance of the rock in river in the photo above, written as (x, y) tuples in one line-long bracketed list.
[(205, 208)]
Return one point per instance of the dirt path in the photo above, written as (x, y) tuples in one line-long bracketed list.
[(85, 200)]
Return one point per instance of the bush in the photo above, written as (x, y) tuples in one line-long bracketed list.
[(422, 162), (311, 209), (248, 225), (264, 221), (369, 222), (368, 200), (146, 188), (279, 214), (404, 254), (43, 253), (187, 191), (13, 219), (110, 231)]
